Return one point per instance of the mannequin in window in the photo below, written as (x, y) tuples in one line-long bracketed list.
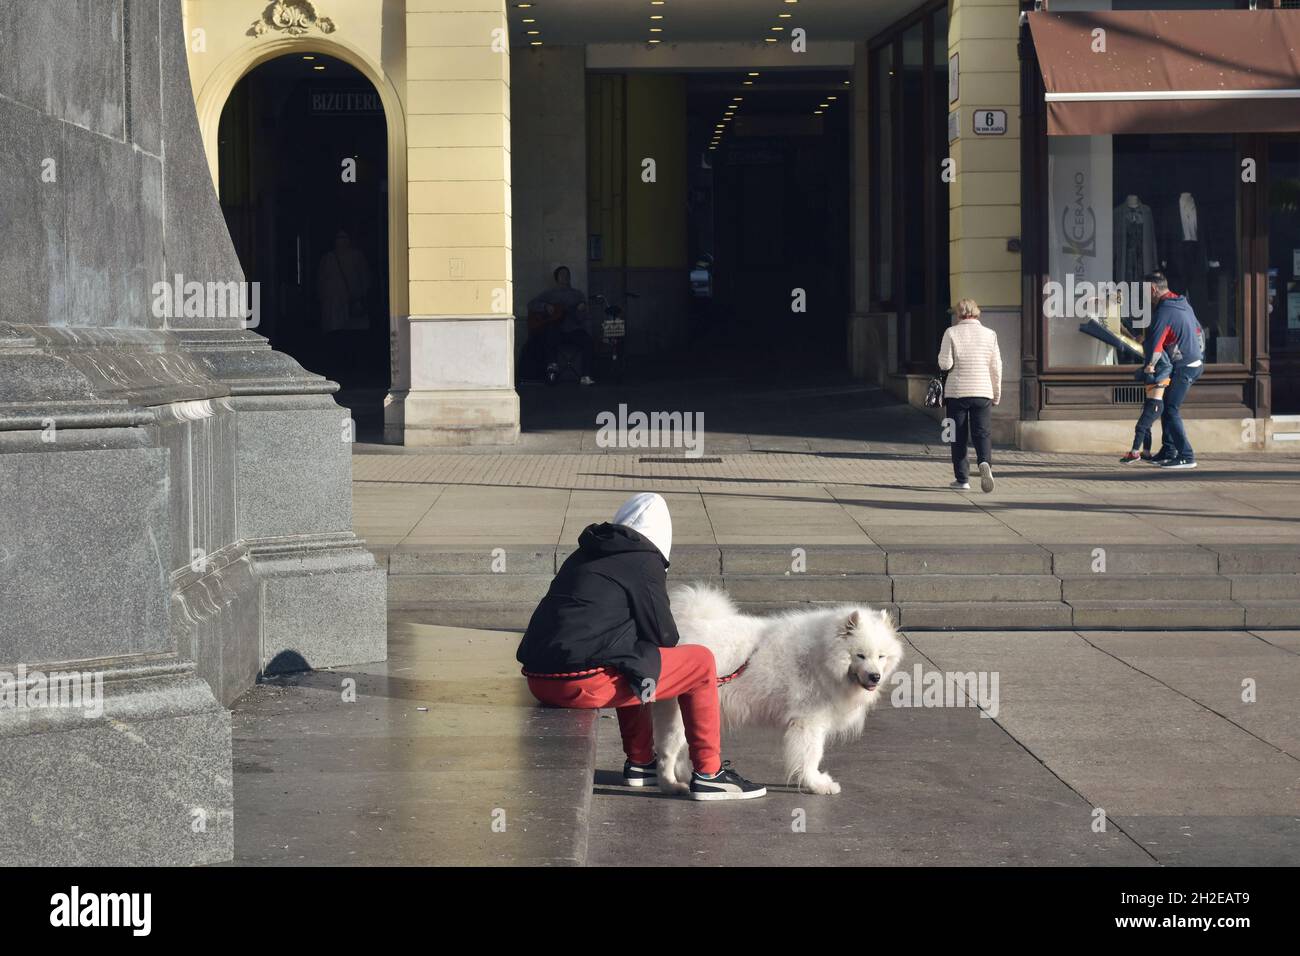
[(1184, 250), (1135, 240)]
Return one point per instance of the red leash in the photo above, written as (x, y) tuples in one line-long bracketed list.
[(733, 675)]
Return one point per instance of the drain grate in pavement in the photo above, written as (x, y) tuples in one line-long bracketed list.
[(679, 461)]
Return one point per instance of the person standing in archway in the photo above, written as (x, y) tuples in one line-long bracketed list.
[(343, 285)]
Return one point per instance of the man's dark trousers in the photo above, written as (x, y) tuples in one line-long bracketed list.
[(1173, 436), (973, 416)]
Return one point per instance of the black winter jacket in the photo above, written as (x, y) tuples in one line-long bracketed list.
[(608, 606)]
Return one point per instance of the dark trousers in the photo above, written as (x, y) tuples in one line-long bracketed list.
[(972, 418), (1152, 409), (1173, 436), (578, 338)]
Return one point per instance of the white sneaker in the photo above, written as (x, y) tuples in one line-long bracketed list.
[(960, 485), (586, 380), (986, 477)]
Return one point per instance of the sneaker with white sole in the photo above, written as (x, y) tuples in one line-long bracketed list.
[(986, 477), (960, 485), (640, 774), (726, 784), (1178, 464)]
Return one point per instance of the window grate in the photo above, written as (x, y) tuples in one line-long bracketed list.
[(1129, 395)]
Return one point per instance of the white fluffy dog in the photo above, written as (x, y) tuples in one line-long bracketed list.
[(813, 673)]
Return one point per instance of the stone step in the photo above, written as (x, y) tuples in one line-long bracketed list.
[(826, 588), (492, 615), (766, 608), (1132, 559), (785, 559), (1158, 615), (969, 559), (927, 587), (1275, 614), (972, 588), (1132, 588), (1265, 587), (983, 615), (950, 615), (1262, 558), (467, 560), (422, 590)]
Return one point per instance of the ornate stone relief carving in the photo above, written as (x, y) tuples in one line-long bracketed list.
[(294, 17)]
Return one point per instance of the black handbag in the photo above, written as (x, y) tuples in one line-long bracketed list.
[(934, 391)]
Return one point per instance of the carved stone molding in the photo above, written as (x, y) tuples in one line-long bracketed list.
[(294, 17)]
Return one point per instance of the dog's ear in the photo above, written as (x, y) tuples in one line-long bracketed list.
[(886, 618), (853, 623)]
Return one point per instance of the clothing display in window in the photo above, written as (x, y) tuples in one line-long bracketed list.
[(1186, 261), (1134, 240)]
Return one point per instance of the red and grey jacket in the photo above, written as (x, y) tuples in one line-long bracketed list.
[(1175, 332)]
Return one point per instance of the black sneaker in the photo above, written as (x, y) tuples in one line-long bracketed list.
[(640, 774), (1178, 464), (1162, 456), (726, 784)]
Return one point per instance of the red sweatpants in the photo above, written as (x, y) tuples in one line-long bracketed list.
[(689, 674)]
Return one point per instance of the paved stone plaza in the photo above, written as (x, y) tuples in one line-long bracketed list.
[(1147, 725), (443, 739)]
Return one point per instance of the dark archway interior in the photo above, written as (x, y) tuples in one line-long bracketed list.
[(303, 184), (770, 208)]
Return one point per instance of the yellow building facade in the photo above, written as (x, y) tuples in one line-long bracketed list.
[(592, 90)]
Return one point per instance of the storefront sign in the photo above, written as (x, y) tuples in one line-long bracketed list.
[(1079, 176), (990, 122), (334, 101)]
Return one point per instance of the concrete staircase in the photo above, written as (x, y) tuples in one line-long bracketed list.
[(958, 587)]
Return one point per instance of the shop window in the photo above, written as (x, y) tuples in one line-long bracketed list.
[(1284, 244), (1125, 205)]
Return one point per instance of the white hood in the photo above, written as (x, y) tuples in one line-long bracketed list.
[(647, 514)]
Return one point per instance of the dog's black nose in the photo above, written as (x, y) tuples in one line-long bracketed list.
[(874, 678)]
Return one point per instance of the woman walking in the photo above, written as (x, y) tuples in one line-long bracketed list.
[(973, 387)]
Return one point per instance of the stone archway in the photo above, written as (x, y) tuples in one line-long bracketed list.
[(211, 101)]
